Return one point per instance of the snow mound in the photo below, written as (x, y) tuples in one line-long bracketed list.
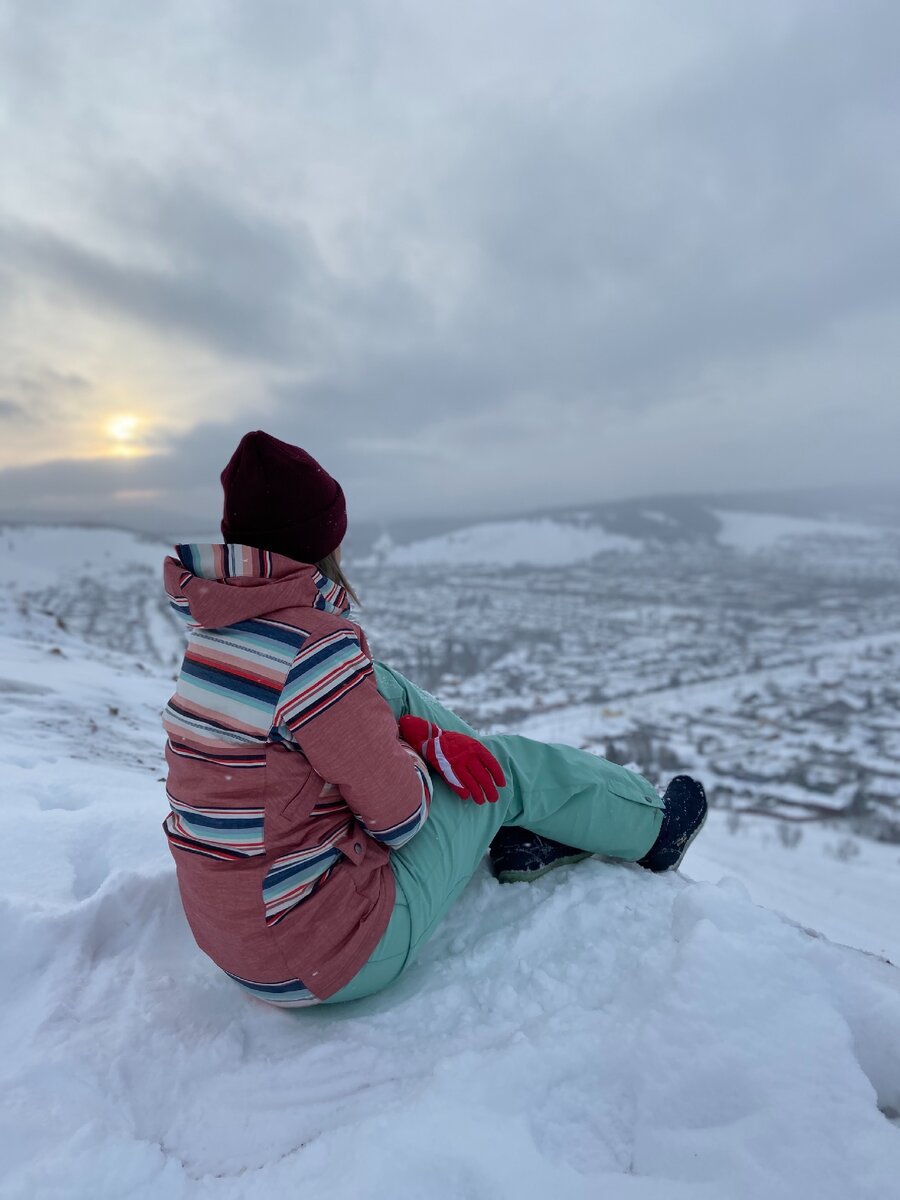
[(750, 532), (600, 1032), (512, 543)]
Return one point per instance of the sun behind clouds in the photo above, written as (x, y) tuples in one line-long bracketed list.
[(122, 432)]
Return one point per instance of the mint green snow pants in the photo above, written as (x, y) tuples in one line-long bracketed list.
[(554, 790)]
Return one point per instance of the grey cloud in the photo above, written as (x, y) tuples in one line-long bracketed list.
[(37, 394), (236, 280), (85, 479), (407, 390), (295, 33), (134, 493), (212, 306), (747, 212), (48, 377), (10, 411)]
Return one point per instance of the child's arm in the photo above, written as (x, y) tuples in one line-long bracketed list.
[(332, 710)]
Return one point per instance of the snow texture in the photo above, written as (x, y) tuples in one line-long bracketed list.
[(601, 1032)]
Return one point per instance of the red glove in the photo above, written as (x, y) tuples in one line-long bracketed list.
[(469, 767)]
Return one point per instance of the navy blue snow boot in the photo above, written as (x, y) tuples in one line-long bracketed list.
[(683, 816), (518, 856)]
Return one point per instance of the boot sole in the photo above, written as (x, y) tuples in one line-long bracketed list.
[(684, 849), (687, 844), (528, 876)]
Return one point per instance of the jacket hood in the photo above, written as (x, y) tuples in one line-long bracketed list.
[(219, 584)]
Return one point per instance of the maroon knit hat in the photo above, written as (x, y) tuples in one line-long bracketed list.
[(278, 498)]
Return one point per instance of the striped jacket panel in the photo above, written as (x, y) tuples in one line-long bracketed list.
[(217, 831), (228, 688), (323, 671), (288, 993)]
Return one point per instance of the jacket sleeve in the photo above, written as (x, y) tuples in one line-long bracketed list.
[(332, 710)]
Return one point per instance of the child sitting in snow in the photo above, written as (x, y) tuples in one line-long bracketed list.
[(326, 812)]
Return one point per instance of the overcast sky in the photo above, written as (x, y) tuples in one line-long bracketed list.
[(476, 257)]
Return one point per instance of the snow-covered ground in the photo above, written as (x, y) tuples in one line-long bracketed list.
[(602, 1032)]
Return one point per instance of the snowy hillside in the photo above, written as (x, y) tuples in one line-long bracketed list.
[(564, 541), (600, 1032), (510, 543), (748, 524)]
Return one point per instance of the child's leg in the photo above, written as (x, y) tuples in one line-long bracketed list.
[(563, 793), (385, 962), (553, 790)]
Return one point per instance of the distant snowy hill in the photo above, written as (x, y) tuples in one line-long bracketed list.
[(568, 536), (509, 544), (600, 1032)]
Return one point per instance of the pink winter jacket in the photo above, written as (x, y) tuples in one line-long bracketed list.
[(288, 782)]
